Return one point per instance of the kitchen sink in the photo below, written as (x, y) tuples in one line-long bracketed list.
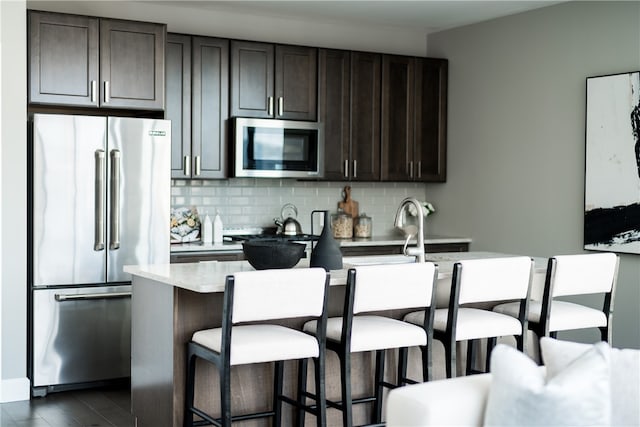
[(354, 261)]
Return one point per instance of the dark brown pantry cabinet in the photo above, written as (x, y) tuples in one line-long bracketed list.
[(414, 104), (197, 105), (95, 62), (349, 107), (273, 81)]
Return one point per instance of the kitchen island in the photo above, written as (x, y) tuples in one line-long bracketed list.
[(171, 301)]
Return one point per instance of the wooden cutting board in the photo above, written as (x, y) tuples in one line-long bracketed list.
[(348, 205)]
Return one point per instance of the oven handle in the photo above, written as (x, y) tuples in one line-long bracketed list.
[(85, 297)]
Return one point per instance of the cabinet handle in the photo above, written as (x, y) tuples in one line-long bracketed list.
[(106, 92), (94, 89), (355, 168), (197, 165), (419, 168), (346, 168), (411, 169), (280, 106), (186, 165), (270, 105)]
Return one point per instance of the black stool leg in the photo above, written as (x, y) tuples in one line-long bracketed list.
[(377, 405), (491, 343), (277, 392), (321, 397), (403, 355), (225, 396), (471, 355), (302, 388), (189, 389), (427, 362), (347, 404), (450, 355)]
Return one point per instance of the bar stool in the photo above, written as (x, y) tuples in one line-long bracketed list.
[(478, 281), (374, 288), (580, 274), (263, 296)]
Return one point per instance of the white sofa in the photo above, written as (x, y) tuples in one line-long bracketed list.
[(461, 401)]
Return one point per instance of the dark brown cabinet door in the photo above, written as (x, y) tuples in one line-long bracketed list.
[(273, 81), (431, 119), (333, 110), (296, 82), (397, 152), (252, 79), (210, 108), (178, 102), (132, 64), (63, 59), (365, 116)]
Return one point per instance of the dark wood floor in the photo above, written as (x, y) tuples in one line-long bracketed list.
[(104, 407)]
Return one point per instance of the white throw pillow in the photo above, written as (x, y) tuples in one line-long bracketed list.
[(624, 375), (521, 393)]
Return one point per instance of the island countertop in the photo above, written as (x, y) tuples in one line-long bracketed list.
[(209, 276)]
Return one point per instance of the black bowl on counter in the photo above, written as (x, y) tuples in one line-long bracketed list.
[(264, 254)]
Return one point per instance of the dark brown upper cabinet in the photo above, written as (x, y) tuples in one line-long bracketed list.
[(197, 105), (334, 73), (414, 93), (430, 131), (93, 62), (349, 108), (273, 81)]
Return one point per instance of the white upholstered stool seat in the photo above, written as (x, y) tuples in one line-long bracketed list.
[(375, 332), (254, 302), (473, 323), (479, 281), (380, 288), (581, 274), (564, 315), (261, 343)]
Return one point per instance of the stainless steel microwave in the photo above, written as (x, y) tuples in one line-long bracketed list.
[(267, 148)]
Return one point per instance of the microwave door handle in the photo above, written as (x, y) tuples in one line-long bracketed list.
[(114, 236), (98, 244)]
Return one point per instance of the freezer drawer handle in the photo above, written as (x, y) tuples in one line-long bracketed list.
[(99, 202), (104, 295), (115, 201)]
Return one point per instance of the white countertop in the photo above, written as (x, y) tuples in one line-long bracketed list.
[(381, 240), (209, 276)]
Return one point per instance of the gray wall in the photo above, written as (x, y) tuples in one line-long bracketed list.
[(516, 142), (13, 207)]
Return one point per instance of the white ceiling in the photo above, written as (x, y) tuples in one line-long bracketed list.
[(425, 15)]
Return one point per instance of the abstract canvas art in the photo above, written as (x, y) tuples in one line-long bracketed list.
[(612, 167)]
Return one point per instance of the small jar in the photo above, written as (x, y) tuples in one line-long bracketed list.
[(362, 226), (342, 225)]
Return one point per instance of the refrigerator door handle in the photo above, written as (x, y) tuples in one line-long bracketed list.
[(114, 212), (99, 201), (103, 295)]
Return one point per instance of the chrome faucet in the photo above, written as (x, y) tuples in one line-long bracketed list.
[(411, 229)]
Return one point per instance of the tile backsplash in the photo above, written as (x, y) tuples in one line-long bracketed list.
[(251, 202)]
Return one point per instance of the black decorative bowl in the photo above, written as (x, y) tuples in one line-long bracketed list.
[(265, 254)]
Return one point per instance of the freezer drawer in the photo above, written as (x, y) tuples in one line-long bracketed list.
[(80, 335)]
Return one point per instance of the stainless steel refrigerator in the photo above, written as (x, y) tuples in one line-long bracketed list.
[(99, 200)]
